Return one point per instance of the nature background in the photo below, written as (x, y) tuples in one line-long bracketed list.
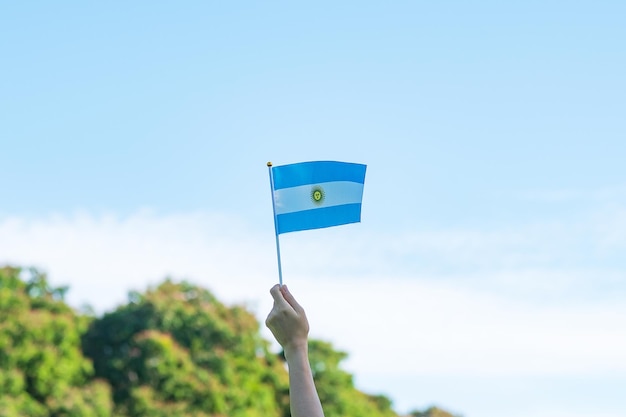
[(488, 273)]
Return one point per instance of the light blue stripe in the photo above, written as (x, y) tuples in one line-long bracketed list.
[(294, 175), (318, 218), (288, 200)]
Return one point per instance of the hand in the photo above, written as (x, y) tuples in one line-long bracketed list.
[(290, 327), (287, 320)]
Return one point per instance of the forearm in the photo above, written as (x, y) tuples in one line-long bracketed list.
[(303, 396)]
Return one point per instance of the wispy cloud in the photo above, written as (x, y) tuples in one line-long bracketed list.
[(537, 300), (493, 295), (607, 194), (104, 257)]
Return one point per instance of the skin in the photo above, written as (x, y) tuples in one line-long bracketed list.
[(290, 327)]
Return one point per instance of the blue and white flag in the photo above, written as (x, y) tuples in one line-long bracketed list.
[(312, 195)]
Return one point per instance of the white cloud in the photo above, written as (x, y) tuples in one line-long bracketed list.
[(606, 194), (389, 301), (102, 258), (434, 328), (564, 412)]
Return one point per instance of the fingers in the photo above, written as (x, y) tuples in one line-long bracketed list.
[(279, 298), (283, 298), (276, 293), (281, 306), (278, 303), (291, 300), (287, 319)]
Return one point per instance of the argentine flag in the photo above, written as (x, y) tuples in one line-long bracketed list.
[(312, 195)]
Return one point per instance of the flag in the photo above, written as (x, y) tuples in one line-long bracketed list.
[(313, 195)]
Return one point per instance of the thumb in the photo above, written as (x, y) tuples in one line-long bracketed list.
[(291, 299)]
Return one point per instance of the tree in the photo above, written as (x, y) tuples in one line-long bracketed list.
[(432, 412), (336, 388), (173, 351), (177, 351), (42, 369), (176, 348)]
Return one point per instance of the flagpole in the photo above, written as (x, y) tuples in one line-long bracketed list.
[(280, 269)]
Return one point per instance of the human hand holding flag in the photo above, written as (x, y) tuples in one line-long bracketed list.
[(290, 327), (287, 320)]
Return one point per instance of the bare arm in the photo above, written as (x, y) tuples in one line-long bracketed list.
[(290, 327)]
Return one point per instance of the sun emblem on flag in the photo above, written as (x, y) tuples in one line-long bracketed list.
[(317, 195)]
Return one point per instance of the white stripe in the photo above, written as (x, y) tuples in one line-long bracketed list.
[(337, 193)]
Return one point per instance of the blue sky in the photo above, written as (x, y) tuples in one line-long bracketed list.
[(489, 263)]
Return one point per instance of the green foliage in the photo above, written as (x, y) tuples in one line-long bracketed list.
[(173, 351), (177, 348), (432, 412), (42, 369), (336, 388)]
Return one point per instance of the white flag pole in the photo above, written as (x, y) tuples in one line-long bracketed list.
[(280, 270)]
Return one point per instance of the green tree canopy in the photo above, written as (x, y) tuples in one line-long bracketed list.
[(432, 412), (336, 388), (178, 351), (172, 351), (42, 369)]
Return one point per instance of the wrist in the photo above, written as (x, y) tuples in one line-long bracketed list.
[(296, 349)]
